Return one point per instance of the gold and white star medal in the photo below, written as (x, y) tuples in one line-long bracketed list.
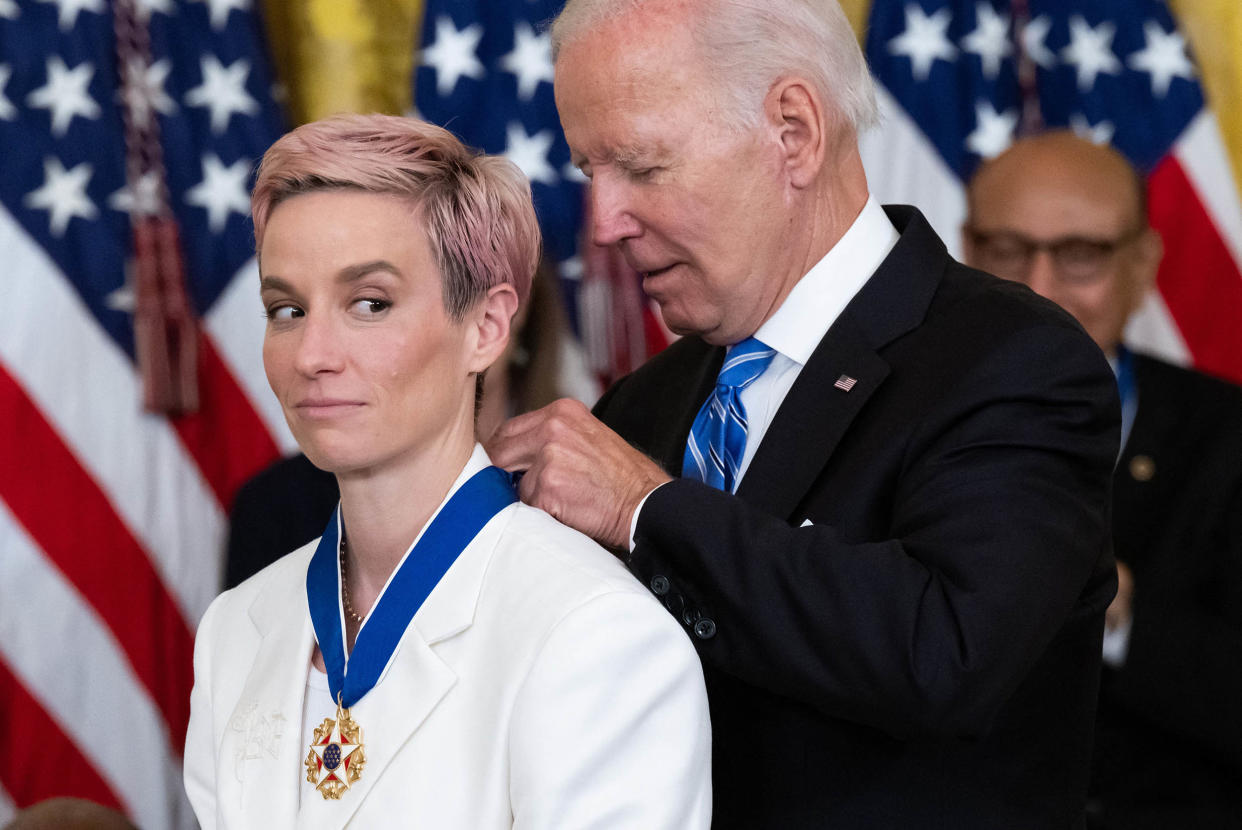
[(336, 756)]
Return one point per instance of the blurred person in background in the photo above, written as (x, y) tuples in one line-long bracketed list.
[(1068, 218)]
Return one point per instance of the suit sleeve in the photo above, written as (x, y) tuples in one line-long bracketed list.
[(610, 728), (199, 771), (997, 524)]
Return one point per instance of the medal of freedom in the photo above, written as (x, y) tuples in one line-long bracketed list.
[(336, 756)]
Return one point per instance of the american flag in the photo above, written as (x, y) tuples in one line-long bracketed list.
[(115, 118), (960, 78), (484, 71)]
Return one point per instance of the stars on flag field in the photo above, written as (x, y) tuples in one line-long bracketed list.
[(530, 153), (993, 131), (70, 9), (63, 194), (1163, 57), (925, 40), (990, 39), (530, 61), (142, 90), (223, 91), (144, 199), (222, 191), (1090, 53), (1090, 50), (1101, 133), (7, 111), (64, 93), (218, 10), (454, 55)]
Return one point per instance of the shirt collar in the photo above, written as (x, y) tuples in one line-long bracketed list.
[(817, 299)]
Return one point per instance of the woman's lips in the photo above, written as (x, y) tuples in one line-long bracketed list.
[(319, 408)]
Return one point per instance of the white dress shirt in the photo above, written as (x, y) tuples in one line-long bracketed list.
[(802, 320)]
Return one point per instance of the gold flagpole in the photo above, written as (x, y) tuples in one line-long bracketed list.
[(344, 55)]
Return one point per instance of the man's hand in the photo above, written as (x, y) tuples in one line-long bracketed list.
[(1118, 613), (577, 469)]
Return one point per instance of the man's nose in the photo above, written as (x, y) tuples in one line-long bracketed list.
[(612, 218), (1041, 274)]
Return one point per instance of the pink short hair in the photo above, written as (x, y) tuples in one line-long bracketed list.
[(479, 218)]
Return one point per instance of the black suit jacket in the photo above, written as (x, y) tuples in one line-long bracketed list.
[(275, 512), (926, 654), (1169, 750)]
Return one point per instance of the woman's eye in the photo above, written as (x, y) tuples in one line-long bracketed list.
[(283, 312), (370, 307)]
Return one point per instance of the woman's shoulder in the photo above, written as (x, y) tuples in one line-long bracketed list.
[(282, 581), (536, 548)]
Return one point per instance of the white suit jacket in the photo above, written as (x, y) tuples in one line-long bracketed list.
[(539, 686)]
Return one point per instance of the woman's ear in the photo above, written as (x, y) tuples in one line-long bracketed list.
[(491, 320)]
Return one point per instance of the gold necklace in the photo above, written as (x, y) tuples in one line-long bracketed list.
[(349, 607)]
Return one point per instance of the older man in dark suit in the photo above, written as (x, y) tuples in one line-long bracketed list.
[(869, 481), (1068, 218)]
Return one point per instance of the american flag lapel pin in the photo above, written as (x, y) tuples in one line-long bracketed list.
[(845, 383)]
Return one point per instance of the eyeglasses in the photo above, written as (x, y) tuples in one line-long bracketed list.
[(1074, 258)]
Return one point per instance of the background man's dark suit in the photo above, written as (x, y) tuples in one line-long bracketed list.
[(277, 511), (928, 654), (1170, 721)]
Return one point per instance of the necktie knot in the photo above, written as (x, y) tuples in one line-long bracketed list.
[(718, 437), (745, 362)]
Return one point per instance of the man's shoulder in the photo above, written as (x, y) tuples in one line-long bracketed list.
[(1188, 409), (1187, 383), (992, 302)]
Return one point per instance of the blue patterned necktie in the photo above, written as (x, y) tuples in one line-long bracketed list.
[(718, 436)]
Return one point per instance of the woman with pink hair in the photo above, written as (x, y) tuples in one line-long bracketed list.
[(443, 656)]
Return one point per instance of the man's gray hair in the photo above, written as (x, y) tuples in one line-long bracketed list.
[(749, 44)]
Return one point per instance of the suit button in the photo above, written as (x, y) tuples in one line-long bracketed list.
[(690, 616), (705, 628), (675, 603), (659, 585)]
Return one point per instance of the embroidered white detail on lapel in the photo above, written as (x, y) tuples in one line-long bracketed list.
[(261, 734)]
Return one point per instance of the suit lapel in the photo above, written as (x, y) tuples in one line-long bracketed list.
[(811, 421), (264, 732), (816, 413)]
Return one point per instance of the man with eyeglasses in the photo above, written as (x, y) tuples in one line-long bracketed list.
[(1068, 218)]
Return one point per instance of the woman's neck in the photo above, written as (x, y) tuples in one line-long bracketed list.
[(383, 510)]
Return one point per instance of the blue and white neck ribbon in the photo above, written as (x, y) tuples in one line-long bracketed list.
[(474, 504)]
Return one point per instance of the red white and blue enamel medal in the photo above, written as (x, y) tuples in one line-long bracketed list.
[(336, 756)]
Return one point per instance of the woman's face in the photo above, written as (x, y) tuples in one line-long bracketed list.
[(367, 365)]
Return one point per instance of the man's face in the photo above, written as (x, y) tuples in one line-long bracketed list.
[(696, 207), (1068, 228)]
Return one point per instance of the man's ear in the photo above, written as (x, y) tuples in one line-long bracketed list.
[(795, 109), (491, 320), (1148, 251)]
